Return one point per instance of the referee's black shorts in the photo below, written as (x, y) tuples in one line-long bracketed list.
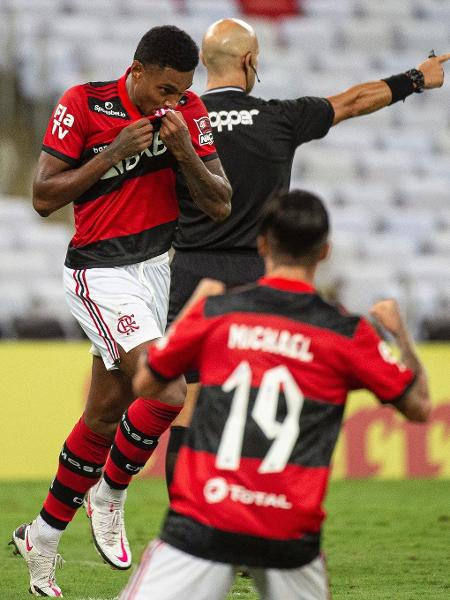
[(234, 268)]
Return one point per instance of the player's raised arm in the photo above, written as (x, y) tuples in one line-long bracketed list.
[(415, 404), (369, 97)]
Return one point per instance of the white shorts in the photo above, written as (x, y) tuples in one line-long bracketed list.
[(166, 573), (120, 306)]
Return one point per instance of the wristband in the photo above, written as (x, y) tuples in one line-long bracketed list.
[(417, 78), (401, 86)]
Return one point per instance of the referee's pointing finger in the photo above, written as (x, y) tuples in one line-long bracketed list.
[(442, 58)]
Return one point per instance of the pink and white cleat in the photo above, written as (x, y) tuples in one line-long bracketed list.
[(41, 567), (108, 529)]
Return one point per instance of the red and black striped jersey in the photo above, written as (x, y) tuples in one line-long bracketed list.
[(130, 214), (276, 363)]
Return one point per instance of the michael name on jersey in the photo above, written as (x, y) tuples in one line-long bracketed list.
[(266, 339)]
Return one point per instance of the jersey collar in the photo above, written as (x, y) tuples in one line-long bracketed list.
[(228, 88), (131, 109), (287, 285)]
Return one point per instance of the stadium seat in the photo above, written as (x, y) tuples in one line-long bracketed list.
[(420, 223), (360, 287), (355, 65), (389, 248), (328, 8), (382, 165), (213, 10), (420, 192), (369, 35), (349, 136), (324, 163), (423, 35), (355, 220), (374, 195), (394, 9), (311, 35), (438, 243), (102, 9), (410, 139)]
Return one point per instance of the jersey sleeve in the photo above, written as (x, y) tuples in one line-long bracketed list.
[(196, 116), (371, 365), (310, 118), (178, 351), (67, 129)]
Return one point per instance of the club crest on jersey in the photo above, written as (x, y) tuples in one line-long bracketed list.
[(204, 126), (62, 120), (126, 324)]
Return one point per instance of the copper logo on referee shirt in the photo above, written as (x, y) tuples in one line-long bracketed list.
[(127, 324)]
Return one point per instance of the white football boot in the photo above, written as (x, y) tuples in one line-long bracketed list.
[(41, 568), (108, 529)]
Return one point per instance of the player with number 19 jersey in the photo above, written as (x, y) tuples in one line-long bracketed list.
[(276, 363), (130, 214)]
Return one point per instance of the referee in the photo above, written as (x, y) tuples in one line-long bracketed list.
[(256, 140)]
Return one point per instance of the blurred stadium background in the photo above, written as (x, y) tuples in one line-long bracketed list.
[(385, 177)]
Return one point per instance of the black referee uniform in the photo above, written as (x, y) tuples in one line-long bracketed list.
[(256, 140)]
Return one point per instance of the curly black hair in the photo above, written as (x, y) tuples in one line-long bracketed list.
[(168, 46)]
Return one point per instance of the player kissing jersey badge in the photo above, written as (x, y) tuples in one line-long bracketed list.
[(126, 324), (204, 126)]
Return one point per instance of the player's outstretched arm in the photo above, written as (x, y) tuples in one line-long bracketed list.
[(57, 184), (369, 97), (416, 404)]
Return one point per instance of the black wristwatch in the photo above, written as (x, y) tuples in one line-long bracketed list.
[(417, 78)]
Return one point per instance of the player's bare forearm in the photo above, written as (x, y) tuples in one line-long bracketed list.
[(55, 184), (208, 186), (359, 100)]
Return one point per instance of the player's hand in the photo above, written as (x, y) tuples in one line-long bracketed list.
[(206, 287), (387, 314), (132, 139), (175, 134), (433, 72)]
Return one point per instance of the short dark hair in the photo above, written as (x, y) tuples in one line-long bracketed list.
[(168, 46), (296, 225)]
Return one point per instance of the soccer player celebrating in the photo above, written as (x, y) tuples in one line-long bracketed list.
[(276, 363), (112, 149), (256, 140)]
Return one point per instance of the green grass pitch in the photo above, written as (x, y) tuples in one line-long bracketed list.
[(384, 540)]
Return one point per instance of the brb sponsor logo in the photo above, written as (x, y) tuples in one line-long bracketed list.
[(206, 135), (62, 121), (218, 489), (227, 119)]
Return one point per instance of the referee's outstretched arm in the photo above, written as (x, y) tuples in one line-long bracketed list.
[(366, 98)]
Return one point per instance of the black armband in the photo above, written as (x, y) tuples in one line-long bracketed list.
[(401, 86)]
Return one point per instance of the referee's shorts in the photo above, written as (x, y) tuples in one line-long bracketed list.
[(234, 268)]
